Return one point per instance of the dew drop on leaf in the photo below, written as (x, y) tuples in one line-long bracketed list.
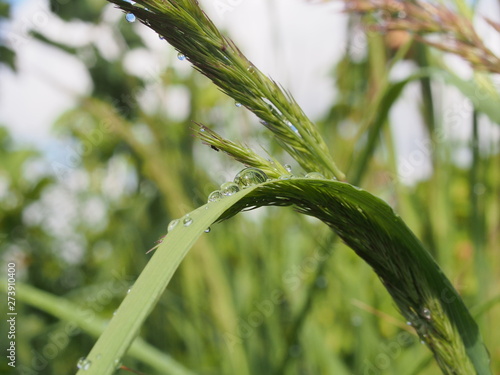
[(187, 221), (214, 196), (249, 177), (83, 364), (181, 56), (229, 188), (237, 104), (316, 175), (172, 225)]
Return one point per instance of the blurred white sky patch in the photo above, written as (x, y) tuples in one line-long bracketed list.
[(48, 80)]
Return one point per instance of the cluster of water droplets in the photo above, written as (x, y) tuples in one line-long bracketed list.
[(83, 364), (244, 179)]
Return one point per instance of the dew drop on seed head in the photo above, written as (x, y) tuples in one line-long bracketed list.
[(229, 188), (408, 323), (214, 196), (187, 221), (237, 104), (161, 37), (83, 364), (249, 177), (316, 175), (263, 122), (288, 168), (172, 225), (286, 176), (181, 56), (426, 313), (130, 17), (291, 126), (208, 230)]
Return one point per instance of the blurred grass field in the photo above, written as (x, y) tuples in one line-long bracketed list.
[(269, 291)]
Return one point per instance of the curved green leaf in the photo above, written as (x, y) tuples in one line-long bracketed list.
[(368, 225)]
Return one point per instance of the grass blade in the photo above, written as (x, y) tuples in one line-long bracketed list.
[(368, 225)]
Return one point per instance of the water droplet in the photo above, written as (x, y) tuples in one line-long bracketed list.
[(161, 37), (263, 122), (83, 364), (291, 126), (422, 342), (237, 104), (408, 323), (130, 17), (187, 221), (288, 168), (251, 69), (129, 289), (208, 230), (316, 175), (172, 225), (426, 313), (117, 363), (114, 312), (249, 177), (181, 56), (215, 196), (229, 188), (286, 176)]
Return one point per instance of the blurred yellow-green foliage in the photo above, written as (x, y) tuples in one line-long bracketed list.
[(78, 227)]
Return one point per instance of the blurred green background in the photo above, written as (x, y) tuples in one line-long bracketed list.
[(269, 291)]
